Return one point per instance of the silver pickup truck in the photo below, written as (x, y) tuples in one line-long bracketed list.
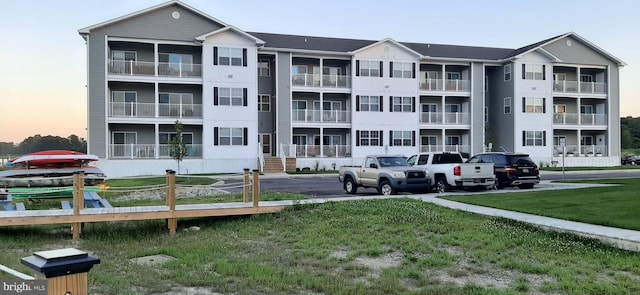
[(388, 174), (449, 171)]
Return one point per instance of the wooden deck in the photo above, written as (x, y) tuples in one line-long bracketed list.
[(74, 213)]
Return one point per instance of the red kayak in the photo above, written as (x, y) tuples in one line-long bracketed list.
[(53, 159)]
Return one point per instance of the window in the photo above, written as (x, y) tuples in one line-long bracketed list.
[(557, 140), (486, 83), (369, 137), (452, 140), (123, 103), (225, 56), (429, 108), (368, 68), (123, 144), (264, 68), (429, 140), (586, 78), (533, 105), (559, 108), (453, 76), (586, 109), (299, 139), (401, 70), (264, 103), (507, 105), (230, 96), (121, 55), (486, 114), (177, 62), (452, 108), (533, 72), (124, 138), (368, 103), (402, 104), (332, 140), (587, 140), (402, 138), (507, 72), (167, 137), (229, 136), (171, 104), (559, 77), (533, 138)]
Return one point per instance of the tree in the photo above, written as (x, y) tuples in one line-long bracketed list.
[(178, 147)]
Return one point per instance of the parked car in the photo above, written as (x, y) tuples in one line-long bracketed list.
[(388, 174), (511, 169), (449, 171), (630, 160)]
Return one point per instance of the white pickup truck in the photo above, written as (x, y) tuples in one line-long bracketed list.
[(449, 171)]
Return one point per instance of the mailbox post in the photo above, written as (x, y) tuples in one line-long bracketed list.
[(65, 270)]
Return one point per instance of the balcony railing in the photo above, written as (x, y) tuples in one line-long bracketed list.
[(580, 150), (315, 151), (314, 80), (585, 87), (148, 110), (446, 85), (148, 68), (316, 116), (449, 118), (457, 148), (579, 119), (430, 148), (150, 151)]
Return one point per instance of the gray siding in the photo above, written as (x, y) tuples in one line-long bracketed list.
[(266, 85), (502, 125), (96, 100), (614, 111), (477, 108), (283, 101), (577, 53)]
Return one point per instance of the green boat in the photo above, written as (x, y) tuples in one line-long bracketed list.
[(18, 193)]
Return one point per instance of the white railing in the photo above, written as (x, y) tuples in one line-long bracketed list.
[(593, 87), (457, 118), (430, 148), (314, 151), (336, 81), (456, 85), (565, 86), (179, 69), (283, 158), (309, 80), (565, 118), (131, 109), (580, 151), (593, 119), (261, 157), (174, 110), (431, 117), (431, 84), (148, 68), (457, 148), (150, 151), (305, 115), (336, 116)]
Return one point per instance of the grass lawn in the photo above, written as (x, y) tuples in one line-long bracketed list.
[(611, 206)]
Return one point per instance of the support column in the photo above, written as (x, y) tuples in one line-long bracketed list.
[(245, 186), (172, 223), (256, 188)]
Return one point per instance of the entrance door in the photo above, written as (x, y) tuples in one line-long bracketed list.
[(264, 139)]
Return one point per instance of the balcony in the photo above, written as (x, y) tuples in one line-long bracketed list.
[(579, 119), (145, 68), (314, 80), (148, 110), (580, 150), (316, 116), (446, 85), (150, 151), (455, 148), (316, 151), (585, 87), (449, 118)]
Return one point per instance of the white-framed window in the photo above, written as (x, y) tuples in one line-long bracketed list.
[(124, 103), (587, 140), (557, 140), (429, 108), (507, 105), (124, 55), (402, 69), (226, 56), (369, 138), (124, 137), (451, 108), (176, 61), (586, 109), (507, 72), (167, 137), (586, 78), (533, 138), (533, 104), (332, 140), (402, 138), (428, 140), (559, 108), (171, 104), (299, 139), (402, 104), (229, 136), (369, 103), (452, 140), (264, 68), (533, 72), (369, 68), (453, 76), (559, 77), (264, 103), (229, 96)]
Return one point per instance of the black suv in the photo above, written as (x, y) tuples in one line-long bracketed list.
[(511, 169)]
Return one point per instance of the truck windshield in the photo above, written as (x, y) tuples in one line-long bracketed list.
[(392, 161)]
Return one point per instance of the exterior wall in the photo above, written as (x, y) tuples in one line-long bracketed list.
[(476, 108), (502, 125), (283, 98)]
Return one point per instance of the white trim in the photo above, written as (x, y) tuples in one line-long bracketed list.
[(388, 40), (234, 29)]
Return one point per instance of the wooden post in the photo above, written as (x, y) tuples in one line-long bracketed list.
[(78, 202), (245, 186), (256, 188), (172, 223), (65, 270)]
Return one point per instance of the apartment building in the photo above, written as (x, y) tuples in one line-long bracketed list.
[(245, 98)]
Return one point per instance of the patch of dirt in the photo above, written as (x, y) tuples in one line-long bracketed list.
[(181, 193)]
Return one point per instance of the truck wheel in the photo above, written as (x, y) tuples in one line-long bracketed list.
[(441, 185), (350, 186), (386, 189)]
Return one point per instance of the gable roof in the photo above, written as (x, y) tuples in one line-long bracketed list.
[(234, 29), (388, 40), (87, 30)]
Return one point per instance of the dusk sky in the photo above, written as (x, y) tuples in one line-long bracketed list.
[(43, 69)]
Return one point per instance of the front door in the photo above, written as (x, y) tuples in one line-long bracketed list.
[(264, 139)]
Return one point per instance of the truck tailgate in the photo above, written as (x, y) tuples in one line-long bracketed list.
[(476, 170)]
